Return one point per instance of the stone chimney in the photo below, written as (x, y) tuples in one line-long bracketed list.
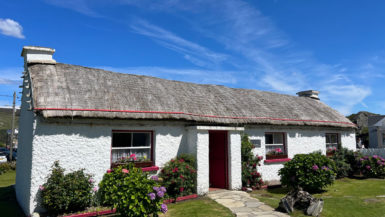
[(309, 93), (35, 54)]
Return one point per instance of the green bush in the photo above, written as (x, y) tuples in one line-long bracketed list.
[(66, 193), (179, 176), (312, 172), (346, 162), (373, 166), (5, 167), (131, 192), (250, 176)]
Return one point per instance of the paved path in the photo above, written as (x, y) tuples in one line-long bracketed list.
[(243, 205)]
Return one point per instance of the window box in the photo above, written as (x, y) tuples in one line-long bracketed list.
[(329, 154), (137, 164), (271, 157)]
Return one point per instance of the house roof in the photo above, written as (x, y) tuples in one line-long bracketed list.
[(372, 120), (63, 90)]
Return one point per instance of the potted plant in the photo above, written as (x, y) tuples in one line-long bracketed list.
[(139, 162), (277, 153), (330, 151)]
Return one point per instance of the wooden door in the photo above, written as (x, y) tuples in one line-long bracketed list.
[(218, 159)]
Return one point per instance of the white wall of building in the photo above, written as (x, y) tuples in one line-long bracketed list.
[(300, 140)]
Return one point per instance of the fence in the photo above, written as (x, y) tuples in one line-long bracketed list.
[(373, 151)]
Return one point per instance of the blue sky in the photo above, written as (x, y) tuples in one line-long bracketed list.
[(336, 47)]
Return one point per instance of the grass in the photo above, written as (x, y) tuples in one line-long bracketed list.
[(347, 197), (201, 207), (8, 203)]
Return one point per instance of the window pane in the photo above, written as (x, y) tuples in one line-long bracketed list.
[(270, 148), (278, 138), (327, 138), (140, 153), (117, 154), (141, 139), (333, 138), (268, 138), (121, 139)]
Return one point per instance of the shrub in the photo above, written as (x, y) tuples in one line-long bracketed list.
[(372, 166), (179, 176), (66, 193), (5, 167), (346, 162), (250, 176), (312, 172), (131, 192)]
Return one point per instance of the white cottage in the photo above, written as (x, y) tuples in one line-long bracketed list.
[(87, 118)]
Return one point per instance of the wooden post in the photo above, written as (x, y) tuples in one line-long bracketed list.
[(13, 126)]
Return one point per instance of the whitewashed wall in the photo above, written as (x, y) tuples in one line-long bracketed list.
[(80, 145), (300, 140)]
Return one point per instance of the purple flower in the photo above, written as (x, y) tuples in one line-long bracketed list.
[(375, 156), (366, 157), (368, 167), (163, 189), (95, 189), (155, 178), (325, 168), (91, 180), (315, 167), (155, 188), (151, 195), (361, 159), (160, 193), (163, 208), (42, 188)]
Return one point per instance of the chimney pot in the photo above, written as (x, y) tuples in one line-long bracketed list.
[(309, 93), (36, 54)]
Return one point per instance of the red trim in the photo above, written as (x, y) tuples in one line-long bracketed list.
[(277, 160), (96, 213), (192, 114), (153, 168), (188, 197)]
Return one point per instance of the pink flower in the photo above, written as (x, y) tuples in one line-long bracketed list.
[(375, 156), (278, 150), (95, 189), (42, 188), (90, 180), (260, 157), (315, 167), (124, 170), (109, 171), (368, 167), (181, 189)]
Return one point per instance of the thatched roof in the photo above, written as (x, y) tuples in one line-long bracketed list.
[(62, 90)]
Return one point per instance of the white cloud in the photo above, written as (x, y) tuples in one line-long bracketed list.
[(12, 28)]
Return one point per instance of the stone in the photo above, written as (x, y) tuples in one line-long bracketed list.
[(287, 204), (249, 189), (315, 208), (302, 200), (35, 214)]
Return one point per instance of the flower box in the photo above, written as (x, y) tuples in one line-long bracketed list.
[(187, 197), (137, 164), (93, 213), (329, 154), (272, 157)]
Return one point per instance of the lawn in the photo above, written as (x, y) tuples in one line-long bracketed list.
[(347, 197), (8, 203)]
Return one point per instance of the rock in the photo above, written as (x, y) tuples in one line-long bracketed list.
[(315, 208), (249, 189), (35, 214), (287, 204)]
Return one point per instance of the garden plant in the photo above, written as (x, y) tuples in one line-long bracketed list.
[(250, 175)]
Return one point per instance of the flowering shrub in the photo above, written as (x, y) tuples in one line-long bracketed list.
[(346, 162), (66, 193), (373, 166), (312, 172), (179, 176), (131, 192), (250, 176), (132, 158)]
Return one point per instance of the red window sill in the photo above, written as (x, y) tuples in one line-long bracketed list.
[(277, 160), (153, 168)]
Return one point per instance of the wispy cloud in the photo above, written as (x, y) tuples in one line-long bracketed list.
[(11, 28), (81, 6), (192, 52)]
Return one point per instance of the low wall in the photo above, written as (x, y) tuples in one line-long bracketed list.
[(373, 151)]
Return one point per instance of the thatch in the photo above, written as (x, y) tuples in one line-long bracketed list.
[(64, 90)]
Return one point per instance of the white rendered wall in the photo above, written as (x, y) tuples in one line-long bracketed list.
[(235, 160), (88, 146), (300, 140), (202, 138)]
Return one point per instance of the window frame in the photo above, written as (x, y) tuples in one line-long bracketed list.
[(151, 132), (284, 140), (338, 140)]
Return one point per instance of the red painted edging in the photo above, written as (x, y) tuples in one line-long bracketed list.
[(153, 168), (188, 197), (96, 213), (277, 160), (191, 114)]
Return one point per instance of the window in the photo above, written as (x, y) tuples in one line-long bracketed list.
[(332, 140), (275, 144), (125, 143)]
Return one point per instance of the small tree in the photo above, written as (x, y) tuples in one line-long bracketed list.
[(250, 176)]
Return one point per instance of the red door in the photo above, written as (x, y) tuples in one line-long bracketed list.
[(218, 159)]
